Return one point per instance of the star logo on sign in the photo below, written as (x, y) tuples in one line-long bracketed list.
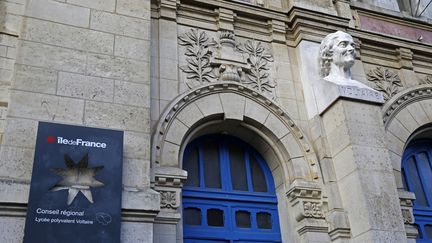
[(77, 178)]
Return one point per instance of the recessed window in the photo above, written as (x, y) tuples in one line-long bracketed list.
[(258, 178), (191, 165), (264, 221), (192, 216), (211, 164), (243, 219), (238, 168), (215, 217)]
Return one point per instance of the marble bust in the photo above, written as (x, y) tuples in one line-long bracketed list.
[(336, 57)]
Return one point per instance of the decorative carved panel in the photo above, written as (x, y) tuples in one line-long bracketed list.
[(225, 59), (386, 81)]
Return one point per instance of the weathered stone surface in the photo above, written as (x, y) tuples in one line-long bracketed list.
[(136, 145), (136, 232), (300, 168), (176, 132), (210, 105), (68, 36), (106, 5), (233, 105), (397, 129), (190, 115), (169, 89), (85, 87), (12, 229), (35, 79), (134, 94), (140, 199), (118, 68), (46, 107), (16, 162), (164, 233), (134, 8), (407, 120), (170, 155), (14, 191), (418, 113), (136, 172), (120, 25), (255, 111), (59, 12), (40, 55), (292, 145), (117, 116), (132, 48), (275, 125), (361, 157), (20, 133)]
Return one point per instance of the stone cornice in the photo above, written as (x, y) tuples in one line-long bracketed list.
[(403, 99)]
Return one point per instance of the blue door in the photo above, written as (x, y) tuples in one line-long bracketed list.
[(417, 175), (229, 195)]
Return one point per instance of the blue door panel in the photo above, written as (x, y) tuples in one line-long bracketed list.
[(417, 172), (231, 201)]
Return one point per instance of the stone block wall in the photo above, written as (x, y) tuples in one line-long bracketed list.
[(83, 63)]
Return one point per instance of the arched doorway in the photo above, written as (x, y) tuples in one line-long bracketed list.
[(229, 195), (417, 178)]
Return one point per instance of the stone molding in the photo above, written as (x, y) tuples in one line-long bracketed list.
[(403, 99), (308, 206), (300, 144), (406, 203), (169, 182), (307, 201)]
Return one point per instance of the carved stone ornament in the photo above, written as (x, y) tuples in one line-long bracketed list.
[(408, 216), (168, 199), (387, 82), (307, 202), (224, 59), (198, 52), (427, 80), (313, 210)]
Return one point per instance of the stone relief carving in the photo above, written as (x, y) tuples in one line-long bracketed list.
[(386, 81), (259, 57), (336, 58), (313, 210), (427, 80), (168, 182), (199, 53), (308, 202), (407, 216), (225, 59), (168, 199)]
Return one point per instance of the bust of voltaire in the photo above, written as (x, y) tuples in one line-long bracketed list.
[(336, 57)]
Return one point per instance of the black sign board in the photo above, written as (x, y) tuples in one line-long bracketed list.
[(75, 193)]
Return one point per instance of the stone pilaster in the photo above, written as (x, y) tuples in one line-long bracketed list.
[(363, 170), (405, 58), (168, 182)]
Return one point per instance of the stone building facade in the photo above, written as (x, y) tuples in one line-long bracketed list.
[(167, 72)]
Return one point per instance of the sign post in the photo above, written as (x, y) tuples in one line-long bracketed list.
[(75, 193)]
